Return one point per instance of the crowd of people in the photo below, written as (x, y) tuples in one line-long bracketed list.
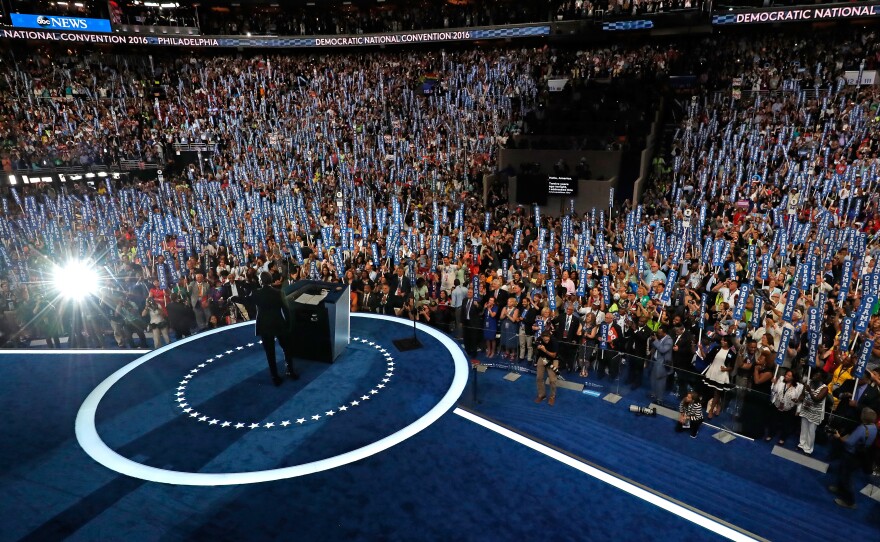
[(747, 274)]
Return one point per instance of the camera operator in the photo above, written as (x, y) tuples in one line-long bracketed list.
[(157, 323), (130, 321), (856, 446), (547, 363)]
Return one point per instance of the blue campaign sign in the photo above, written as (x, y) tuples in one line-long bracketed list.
[(864, 356), (783, 345), (53, 22)]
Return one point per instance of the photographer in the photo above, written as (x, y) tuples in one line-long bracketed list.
[(547, 363), (130, 322), (157, 323), (855, 456)]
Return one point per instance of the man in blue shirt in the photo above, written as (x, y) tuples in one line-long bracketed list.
[(855, 446), (654, 273)]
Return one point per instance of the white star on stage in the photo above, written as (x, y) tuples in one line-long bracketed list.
[(315, 417), (385, 379), (372, 343), (182, 388), (194, 415), (225, 424), (250, 344), (391, 364), (329, 413), (179, 393), (181, 399), (373, 392), (184, 382), (239, 425), (355, 403), (260, 342), (194, 371), (254, 425), (187, 410), (383, 350), (201, 364), (269, 425), (239, 347), (301, 421), (182, 405), (213, 422), (389, 374), (188, 377), (229, 351), (203, 418), (285, 423), (343, 408), (209, 360), (380, 386), (365, 397), (218, 356)]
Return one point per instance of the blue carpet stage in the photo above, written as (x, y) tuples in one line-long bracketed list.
[(367, 448)]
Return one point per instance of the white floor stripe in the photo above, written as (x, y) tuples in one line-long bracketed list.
[(632, 489), (50, 351)]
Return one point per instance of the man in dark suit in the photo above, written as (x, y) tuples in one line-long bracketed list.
[(855, 395), (400, 283), (567, 331), (387, 303), (639, 346), (368, 300), (499, 294), (472, 323), (273, 322), (683, 358)]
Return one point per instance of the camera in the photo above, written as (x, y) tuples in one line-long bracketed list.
[(642, 411)]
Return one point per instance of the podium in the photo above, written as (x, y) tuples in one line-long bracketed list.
[(321, 319)]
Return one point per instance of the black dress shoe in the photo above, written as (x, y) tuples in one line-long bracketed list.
[(277, 380)]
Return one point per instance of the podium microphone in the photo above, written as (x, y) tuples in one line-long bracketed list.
[(409, 343)]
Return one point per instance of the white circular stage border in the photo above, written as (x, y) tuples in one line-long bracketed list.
[(188, 410), (88, 438)]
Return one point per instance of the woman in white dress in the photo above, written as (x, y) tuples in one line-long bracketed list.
[(812, 410), (716, 377)]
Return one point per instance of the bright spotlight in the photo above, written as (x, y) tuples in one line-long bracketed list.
[(75, 280)]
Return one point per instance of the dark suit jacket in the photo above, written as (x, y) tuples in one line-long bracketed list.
[(500, 297), (869, 399), (559, 331), (368, 305), (273, 314), (683, 358), (393, 302), (476, 313), (400, 283), (240, 285)]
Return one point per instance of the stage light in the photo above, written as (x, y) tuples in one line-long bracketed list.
[(75, 280)]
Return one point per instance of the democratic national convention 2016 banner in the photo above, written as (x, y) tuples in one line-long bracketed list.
[(53, 22), (397, 38), (824, 12)]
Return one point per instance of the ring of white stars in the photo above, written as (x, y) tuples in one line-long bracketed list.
[(188, 410)]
